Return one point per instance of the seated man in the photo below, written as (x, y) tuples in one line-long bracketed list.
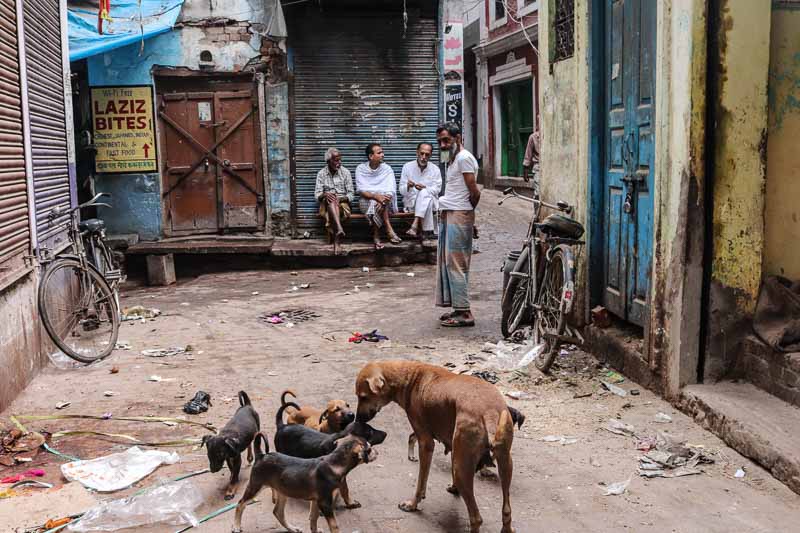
[(376, 184), (334, 191), (420, 184)]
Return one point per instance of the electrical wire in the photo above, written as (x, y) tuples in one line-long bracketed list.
[(521, 23)]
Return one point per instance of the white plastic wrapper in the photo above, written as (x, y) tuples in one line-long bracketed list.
[(171, 503), (118, 470)]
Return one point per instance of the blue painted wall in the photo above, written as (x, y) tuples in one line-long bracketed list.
[(136, 197)]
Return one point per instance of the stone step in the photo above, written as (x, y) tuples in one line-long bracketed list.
[(751, 421), (776, 372)]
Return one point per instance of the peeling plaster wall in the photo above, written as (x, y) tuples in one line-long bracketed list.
[(564, 112), (783, 158), (278, 146), (739, 174)]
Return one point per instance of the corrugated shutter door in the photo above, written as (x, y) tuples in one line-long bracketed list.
[(356, 81), (47, 115), (14, 229)]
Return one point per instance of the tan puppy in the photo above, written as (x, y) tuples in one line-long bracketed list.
[(468, 415), (336, 416)]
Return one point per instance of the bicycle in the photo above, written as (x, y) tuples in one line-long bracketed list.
[(79, 303), (541, 285)]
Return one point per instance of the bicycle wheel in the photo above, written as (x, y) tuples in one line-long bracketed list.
[(515, 305), (78, 310), (550, 316)]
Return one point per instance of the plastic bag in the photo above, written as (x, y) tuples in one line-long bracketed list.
[(170, 502), (509, 356), (117, 471)]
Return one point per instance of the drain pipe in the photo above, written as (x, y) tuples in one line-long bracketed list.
[(26, 126)]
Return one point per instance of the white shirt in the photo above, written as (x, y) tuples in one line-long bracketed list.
[(456, 194), (379, 180), (431, 178)]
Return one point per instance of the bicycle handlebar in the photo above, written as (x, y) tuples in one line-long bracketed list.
[(58, 211), (559, 206)]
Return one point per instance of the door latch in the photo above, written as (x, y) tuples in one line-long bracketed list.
[(205, 163)]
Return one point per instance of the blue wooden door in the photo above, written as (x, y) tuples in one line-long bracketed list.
[(629, 156)]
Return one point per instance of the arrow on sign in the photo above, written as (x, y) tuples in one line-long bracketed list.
[(146, 149)]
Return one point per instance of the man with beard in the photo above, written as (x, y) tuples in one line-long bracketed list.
[(420, 184), (456, 226)]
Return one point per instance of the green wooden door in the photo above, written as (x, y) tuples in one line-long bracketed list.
[(516, 104)]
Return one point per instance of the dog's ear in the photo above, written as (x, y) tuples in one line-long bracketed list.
[(323, 416), (204, 440), (232, 443), (376, 384)]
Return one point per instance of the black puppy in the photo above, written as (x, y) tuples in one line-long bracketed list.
[(236, 437), (307, 443), (316, 480)]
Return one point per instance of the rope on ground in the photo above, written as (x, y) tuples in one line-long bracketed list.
[(147, 419), (214, 515)]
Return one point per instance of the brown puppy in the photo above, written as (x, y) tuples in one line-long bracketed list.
[(336, 416), (468, 415), (316, 480)]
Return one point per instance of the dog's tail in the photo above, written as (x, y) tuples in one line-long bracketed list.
[(500, 432), (257, 445), (279, 423), (283, 395), (244, 399), (517, 418)]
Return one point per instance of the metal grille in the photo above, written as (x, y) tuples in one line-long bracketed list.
[(47, 114), (358, 81), (564, 30), (14, 229)]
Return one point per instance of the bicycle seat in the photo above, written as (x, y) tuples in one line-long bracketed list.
[(562, 226), (92, 225)]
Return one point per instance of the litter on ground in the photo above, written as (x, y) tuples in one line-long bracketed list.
[(117, 471)]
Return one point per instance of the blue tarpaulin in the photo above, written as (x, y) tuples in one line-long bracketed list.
[(133, 21)]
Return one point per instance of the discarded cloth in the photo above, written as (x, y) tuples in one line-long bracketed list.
[(372, 336), (199, 404), (16, 446), (36, 472), (118, 470), (777, 318)]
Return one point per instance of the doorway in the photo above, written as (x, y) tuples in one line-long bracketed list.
[(517, 120), (211, 165), (628, 157)]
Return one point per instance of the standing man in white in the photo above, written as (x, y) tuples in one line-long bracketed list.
[(456, 225), (420, 185)]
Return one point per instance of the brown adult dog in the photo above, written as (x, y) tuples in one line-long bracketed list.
[(468, 415), (336, 416)]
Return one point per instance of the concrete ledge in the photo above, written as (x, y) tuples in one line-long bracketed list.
[(204, 245), (752, 422), (616, 348), (359, 254)]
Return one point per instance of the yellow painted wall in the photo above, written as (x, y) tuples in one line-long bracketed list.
[(739, 174), (782, 248)]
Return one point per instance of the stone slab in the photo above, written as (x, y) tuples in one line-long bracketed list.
[(751, 421)]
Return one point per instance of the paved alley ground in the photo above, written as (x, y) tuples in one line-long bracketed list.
[(556, 488)]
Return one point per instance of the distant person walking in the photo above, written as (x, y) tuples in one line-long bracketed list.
[(456, 225)]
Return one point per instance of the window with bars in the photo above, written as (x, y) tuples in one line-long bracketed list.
[(563, 30)]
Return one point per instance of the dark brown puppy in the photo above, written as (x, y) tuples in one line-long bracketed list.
[(302, 441), (236, 437), (316, 480), (336, 416), (468, 415)]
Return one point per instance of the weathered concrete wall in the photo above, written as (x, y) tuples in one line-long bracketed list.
[(739, 174), (783, 158), (564, 114), (278, 157), (21, 337)]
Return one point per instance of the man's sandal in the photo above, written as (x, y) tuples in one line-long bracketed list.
[(458, 322)]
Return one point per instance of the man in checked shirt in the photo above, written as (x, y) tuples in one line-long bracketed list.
[(335, 192)]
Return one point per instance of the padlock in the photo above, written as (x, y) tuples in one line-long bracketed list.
[(627, 207)]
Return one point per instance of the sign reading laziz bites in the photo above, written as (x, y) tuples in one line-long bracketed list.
[(124, 133)]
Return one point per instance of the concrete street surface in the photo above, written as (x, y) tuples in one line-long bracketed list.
[(556, 488)]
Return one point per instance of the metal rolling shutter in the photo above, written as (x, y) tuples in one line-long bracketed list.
[(47, 114), (357, 80), (14, 229)]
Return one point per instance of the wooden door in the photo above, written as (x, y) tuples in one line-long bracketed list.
[(212, 165), (629, 156)]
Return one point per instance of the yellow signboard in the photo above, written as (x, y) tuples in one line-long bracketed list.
[(124, 134)]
